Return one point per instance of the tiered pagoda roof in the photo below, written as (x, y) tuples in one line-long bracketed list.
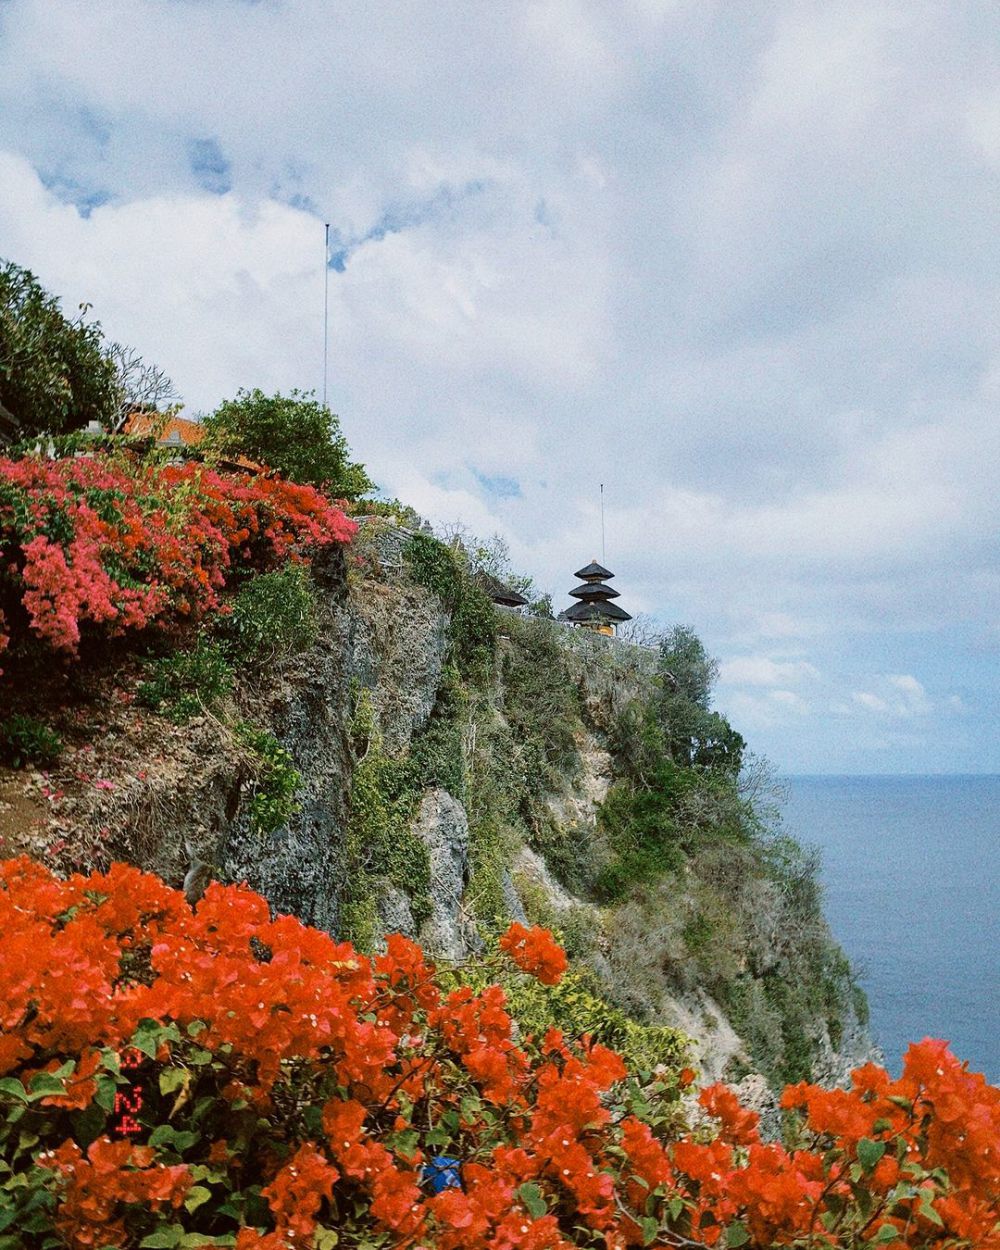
[(594, 595)]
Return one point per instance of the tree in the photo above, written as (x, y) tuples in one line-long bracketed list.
[(642, 630), (293, 434), (695, 734), (139, 384), (684, 659), (54, 375)]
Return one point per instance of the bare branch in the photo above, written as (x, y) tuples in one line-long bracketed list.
[(140, 385)]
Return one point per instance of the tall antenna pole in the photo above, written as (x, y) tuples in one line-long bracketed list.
[(604, 554), (326, 305)]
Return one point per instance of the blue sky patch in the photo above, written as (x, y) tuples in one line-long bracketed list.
[(404, 216), (498, 487), (209, 166), (84, 199)]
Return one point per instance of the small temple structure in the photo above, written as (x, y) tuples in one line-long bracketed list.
[(500, 593), (594, 609)]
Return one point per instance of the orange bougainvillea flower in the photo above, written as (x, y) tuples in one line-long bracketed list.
[(299, 1088), (535, 951)]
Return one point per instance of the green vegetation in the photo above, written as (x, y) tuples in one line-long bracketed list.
[(381, 847), (436, 567), (541, 703), (578, 1005), (26, 742), (293, 434), (447, 573), (276, 780), (273, 616), (54, 374), (187, 683)]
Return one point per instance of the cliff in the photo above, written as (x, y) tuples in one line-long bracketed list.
[(455, 766)]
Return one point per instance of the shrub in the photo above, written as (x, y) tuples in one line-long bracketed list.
[(273, 616), (25, 741), (435, 567), (229, 1078), (276, 780), (187, 683), (576, 1006), (293, 434)]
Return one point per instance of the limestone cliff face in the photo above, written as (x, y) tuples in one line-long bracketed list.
[(179, 806)]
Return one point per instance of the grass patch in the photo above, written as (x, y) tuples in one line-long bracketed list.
[(26, 742), (187, 683)]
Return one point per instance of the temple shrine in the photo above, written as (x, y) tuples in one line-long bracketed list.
[(594, 609)]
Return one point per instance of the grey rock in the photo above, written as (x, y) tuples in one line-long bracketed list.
[(444, 828), (512, 900), (395, 913)]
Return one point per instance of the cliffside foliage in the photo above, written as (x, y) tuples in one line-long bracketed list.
[(104, 545), (380, 847), (173, 1077), (446, 572)]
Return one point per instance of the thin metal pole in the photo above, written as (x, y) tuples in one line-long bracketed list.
[(604, 554), (326, 305)]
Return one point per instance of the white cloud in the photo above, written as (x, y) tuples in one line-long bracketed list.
[(738, 266), (900, 695), (865, 699), (762, 670)]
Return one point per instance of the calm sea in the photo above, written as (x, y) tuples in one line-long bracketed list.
[(911, 870)]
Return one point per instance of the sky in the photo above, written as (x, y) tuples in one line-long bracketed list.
[(737, 262)]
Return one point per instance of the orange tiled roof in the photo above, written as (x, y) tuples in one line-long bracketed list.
[(189, 433)]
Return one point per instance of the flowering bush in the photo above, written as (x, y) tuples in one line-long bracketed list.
[(295, 1093), (105, 543)]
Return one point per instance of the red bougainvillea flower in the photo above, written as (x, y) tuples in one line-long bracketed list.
[(109, 544)]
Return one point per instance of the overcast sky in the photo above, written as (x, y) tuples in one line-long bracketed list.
[(740, 262)]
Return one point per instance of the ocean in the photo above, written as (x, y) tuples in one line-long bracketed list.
[(911, 876)]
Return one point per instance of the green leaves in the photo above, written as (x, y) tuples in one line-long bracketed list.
[(54, 375), (173, 1139), (197, 1196), (531, 1195), (869, 1152), (175, 1238), (150, 1033), (172, 1078), (294, 434), (11, 1088)]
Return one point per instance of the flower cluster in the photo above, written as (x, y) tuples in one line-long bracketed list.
[(113, 544), (535, 951), (301, 1094)]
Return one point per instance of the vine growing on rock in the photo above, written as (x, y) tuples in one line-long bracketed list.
[(298, 1093)]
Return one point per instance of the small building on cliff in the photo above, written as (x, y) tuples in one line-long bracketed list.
[(594, 609)]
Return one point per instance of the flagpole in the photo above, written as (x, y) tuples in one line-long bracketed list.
[(604, 554), (326, 305)]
